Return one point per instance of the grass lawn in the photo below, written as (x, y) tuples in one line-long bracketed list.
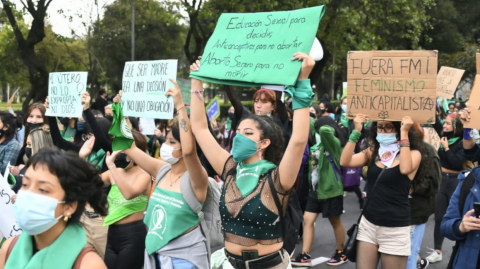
[(15, 106)]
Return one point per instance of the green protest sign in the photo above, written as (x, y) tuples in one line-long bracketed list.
[(253, 49)]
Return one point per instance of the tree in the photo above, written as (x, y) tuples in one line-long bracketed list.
[(38, 74), (158, 35)]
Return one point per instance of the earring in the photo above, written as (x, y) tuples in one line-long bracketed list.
[(260, 155), (66, 218)]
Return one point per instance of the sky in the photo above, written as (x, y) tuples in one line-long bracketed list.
[(61, 23)]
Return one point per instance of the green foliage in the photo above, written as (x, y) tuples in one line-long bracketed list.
[(158, 35)]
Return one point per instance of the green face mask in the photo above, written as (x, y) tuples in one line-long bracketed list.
[(243, 148)]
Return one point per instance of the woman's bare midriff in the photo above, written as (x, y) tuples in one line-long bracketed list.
[(132, 218), (262, 249)]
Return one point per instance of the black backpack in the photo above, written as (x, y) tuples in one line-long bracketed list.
[(429, 175), (464, 191), (293, 218)]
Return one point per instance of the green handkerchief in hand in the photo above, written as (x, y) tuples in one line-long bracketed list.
[(122, 133)]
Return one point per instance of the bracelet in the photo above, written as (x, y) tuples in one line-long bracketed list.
[(404, 144), (197, 93), (111, 166), (404, 140), (178, 109), (467, 133), (354, 137)]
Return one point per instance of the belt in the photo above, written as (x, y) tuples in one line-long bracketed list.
[(91, 214), (263, 262)]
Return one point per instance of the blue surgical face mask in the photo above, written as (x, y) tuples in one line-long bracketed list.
[(35, 213), (344, 108), (386, 139), (80, 126), (243, 148)]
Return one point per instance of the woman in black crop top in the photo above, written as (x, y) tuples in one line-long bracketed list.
[(384, 230), (250, 216), (452, 160)]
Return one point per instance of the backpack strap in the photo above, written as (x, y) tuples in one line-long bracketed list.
[(162, 172), (80, 257), (465, 190), (195, 205), (10, 247), (277, 202)]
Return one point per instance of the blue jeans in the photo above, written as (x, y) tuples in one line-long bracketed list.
[(415, 244), (180, 264)]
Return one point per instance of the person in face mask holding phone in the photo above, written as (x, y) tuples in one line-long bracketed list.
[(181, 243), (48, 207), (452, 160), (127, 201), (393, 157)]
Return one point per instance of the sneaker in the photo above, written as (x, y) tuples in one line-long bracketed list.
[(434, 257), (423, 264), (302, 259), (338, 258)]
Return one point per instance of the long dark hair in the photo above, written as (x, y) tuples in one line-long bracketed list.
[(11, 123), (269, 130), (415, 136), (79, 179), (456, 124)]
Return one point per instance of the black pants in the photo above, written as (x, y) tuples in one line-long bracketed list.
[(447, 188), (126, 246)]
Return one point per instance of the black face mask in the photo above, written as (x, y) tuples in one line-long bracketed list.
[(312, 115), (34, 125), (231, 115), (322, 111), (28, 152), (448, 135), (121, 161)]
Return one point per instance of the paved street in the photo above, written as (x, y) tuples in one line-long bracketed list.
[(324, 243)]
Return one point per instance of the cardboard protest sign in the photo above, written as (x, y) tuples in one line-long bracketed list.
[(213, 109), (388, 85), (8, 225), (144, 86), (431, 137), (252, 49), (65, 91), (474, 105), (447, 81)]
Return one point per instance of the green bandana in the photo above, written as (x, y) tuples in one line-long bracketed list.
[(301, 94), (229, 124), (123, 138), (97, 158), (451, 141), (61, 254), (249, 174), (69, 133), (344, 119)]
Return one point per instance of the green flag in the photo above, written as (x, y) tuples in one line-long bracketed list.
[(120, 130)]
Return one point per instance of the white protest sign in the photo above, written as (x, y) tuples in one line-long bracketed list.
[(65, 91), (148, 126), (144, 86), (8, 225)]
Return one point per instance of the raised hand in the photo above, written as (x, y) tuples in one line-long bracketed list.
[(110, 159), (307, 64), (87, 148), (176, 94), (86, 100), (46, 104), (359, 121), (407, 123)]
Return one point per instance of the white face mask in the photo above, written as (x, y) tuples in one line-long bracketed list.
[(35, 213), (166, 153)]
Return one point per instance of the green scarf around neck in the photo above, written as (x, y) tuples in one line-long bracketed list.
[(451, 141), (61, 254), (248, 175), (344, 119)]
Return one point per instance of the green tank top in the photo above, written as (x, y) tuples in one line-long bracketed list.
[(120, 208), (168, 217)]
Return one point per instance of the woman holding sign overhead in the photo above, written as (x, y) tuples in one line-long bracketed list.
[(393, 157), (174, 239), (258, 176)]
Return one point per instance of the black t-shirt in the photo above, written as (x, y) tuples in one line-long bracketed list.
[(454, 158), (389, 205)]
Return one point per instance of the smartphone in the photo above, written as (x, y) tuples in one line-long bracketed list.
[(476, 206)]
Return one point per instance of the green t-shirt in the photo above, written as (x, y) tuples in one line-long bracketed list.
[(168, 217), (120, 208)]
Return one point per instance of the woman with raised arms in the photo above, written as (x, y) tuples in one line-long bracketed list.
[(250, 217)]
